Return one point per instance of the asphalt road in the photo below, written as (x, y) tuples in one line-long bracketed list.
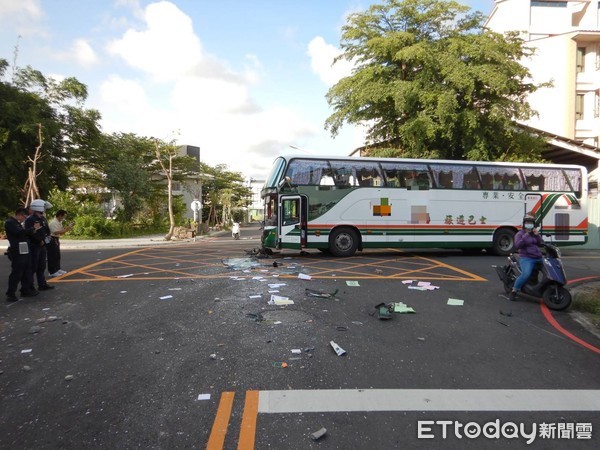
[(177, 347)]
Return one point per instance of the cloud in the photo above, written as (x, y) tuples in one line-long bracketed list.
[(21, 9), (322, 56), (166, 49), (83, 53), (181, 87)]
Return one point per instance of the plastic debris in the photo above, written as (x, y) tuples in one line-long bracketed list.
[(69, 378), (281, 365), (402, 308), (304, 276), (383, 311), (339, 350), (352, 283), (455, 302), (166, 297), (318, 434), (279, 300), (315, 293), (204, 397)]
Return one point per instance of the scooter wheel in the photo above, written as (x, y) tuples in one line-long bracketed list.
[(557, 298)]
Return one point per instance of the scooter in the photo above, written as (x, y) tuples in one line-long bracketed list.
[(235, 231), (548, 280)]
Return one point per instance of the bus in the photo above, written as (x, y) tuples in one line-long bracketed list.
[(344, 204)]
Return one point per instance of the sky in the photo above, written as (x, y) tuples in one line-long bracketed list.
[(244, 80)]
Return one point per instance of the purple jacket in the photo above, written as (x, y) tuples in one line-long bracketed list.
[(528, 244)]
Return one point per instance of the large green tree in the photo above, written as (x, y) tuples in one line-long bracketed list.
[(430, 81), (30, 102)]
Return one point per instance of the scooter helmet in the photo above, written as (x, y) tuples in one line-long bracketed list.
[(528, 219)]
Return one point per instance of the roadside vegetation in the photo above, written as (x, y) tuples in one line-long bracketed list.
[(112, 185), (586, 299)]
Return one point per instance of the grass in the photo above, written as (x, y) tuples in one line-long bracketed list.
[(586, 299)]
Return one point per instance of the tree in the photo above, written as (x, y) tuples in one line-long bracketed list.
[(429, 80), (29, 101)]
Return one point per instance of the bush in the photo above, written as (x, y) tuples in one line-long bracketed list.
[(94, 227)]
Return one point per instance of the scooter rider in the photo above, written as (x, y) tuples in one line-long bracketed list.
[(527, 242)]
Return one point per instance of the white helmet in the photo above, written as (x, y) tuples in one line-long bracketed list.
[(40, 205)]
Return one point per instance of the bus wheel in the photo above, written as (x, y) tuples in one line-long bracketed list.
[(504, 242), (343, 242)]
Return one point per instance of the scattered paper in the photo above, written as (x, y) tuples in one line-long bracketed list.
[(402, 308), (352, 283), (255, 296), (276, 285), (125, 276), (296, 351), (204, 397), (339, 350), (407, 281), (123, 292), (26, 350), (274, 291), (304, 276), (418, 288), (455, 302), (174, 289), (277, 322), (279, 300), (166, 297)]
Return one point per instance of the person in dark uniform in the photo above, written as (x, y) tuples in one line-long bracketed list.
[(18, 253), (39, 238)]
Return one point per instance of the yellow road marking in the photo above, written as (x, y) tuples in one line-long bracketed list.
[(248, 427), (219, 428)]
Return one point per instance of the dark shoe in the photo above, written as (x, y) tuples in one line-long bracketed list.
[(29, 293), (513, 296), (45, 287), (12, 298)]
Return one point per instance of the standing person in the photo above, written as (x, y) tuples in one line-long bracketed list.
[(56, 230), (39, 238), (18, 253), (527, 242)]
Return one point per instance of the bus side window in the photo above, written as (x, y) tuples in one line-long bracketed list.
[(423, 181)]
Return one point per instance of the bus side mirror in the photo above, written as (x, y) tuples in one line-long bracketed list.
[(283, 182)]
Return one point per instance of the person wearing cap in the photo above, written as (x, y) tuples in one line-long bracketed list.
[(38, 231), (18, 253), (527, 242)]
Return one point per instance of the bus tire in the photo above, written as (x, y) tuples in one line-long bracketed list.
[(343, 242), (504, 242)]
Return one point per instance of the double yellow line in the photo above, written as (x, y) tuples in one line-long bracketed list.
[(247, 436)]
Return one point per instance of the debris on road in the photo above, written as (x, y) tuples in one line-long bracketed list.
[(339, 350), (318, 434), (352, 283), (316, 293), (402, 308), (203, 396), (455, 302), (281, 365), (383, 311), (280, 300), (304, 276)]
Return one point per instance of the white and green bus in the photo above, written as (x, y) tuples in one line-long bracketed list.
[(342, 205)]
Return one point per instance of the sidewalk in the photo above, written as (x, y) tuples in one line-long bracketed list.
[(143, 241)]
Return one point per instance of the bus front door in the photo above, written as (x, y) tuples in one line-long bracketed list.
[(292, 221)]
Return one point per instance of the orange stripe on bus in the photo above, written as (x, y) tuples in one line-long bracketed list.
[(248, 427), (219, 428)]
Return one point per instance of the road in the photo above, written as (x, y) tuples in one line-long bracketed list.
[(176, 346)]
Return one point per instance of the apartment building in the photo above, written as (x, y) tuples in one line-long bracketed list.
[(565, 37)]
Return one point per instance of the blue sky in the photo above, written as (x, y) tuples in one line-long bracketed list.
[(242, 79)]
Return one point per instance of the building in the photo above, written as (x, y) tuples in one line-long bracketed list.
[(565, 36)]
